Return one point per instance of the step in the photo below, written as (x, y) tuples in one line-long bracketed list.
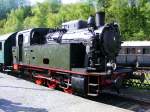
[(97, 73), (92, 84), (7, 70), (90, 68), (92, 94)]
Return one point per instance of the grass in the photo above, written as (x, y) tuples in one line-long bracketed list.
[(137, 83)]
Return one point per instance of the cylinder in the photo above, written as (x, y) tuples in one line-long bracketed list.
[(100, 19)]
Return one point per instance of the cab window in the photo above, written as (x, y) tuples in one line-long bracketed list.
[(38, 38)]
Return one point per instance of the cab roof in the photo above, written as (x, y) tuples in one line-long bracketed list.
[(30, 30)]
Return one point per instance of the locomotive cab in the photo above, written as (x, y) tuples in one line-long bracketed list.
[(24, 39)]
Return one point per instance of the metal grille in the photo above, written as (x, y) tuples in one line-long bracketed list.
[(138, 84)]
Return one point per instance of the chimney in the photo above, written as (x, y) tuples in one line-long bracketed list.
[(100, 19)]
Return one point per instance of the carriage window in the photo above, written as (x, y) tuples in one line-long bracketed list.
[(127, 51), (131, 50), (0, 45), (146, 50), (122, 51), (139, 51)]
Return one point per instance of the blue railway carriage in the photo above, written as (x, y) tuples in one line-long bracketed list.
[(134, 54), (6, 43)]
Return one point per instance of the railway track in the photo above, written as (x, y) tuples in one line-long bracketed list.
[(131, 98), (125, 102)]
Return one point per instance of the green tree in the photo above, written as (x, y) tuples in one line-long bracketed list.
[(75, 11), (54, 5), (15, 20), (131, 17)]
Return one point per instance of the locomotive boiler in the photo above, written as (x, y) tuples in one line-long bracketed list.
[(79, 57)]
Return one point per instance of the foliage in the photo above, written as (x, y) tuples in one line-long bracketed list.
[(132, 15), (15, 20), (133, 18)]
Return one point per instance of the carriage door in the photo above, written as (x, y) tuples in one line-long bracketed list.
[(20, 45)]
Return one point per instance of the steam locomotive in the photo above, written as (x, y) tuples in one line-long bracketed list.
[(79, 57)]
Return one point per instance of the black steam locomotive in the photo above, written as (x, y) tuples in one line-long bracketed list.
[(79, 57)]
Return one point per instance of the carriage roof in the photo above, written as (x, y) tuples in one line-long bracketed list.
[(5, 37), (135, 43)]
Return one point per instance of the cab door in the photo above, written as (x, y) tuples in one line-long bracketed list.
[(24, 48), (20, 48)]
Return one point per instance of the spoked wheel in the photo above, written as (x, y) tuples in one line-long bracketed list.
[(39, 81), (68, 90), (52, 84)]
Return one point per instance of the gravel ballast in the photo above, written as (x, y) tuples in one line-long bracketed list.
[(18, 95)]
